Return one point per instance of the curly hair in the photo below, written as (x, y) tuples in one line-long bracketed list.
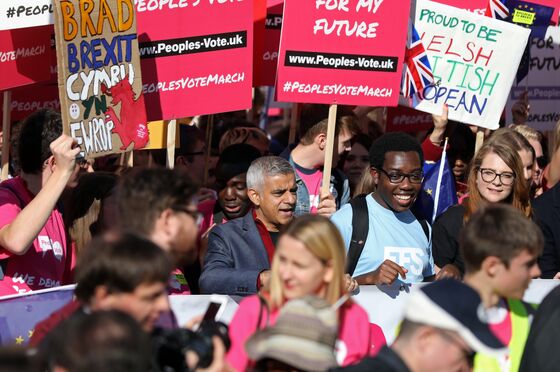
[(393, 141)]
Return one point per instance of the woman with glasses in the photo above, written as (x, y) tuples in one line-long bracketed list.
[(309, 260), (496, 176)]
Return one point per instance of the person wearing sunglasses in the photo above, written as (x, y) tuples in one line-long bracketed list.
[(496, 176), (397, 247)]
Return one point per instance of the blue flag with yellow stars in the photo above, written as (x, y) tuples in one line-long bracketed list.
[(19, 314), (424, 205), (530, 15)]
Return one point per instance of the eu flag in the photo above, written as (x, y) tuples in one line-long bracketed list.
[(530, 15), (424, 205), (19, 314)]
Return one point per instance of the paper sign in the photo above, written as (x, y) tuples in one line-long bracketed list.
[(474, 60), (342, 51), (196, 56), (25, 56), (99, 76)]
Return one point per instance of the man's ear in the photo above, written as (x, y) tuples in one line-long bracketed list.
[(180, 160), (50, 163), (491, 265), (254, 196), (163, 228), (101, 298), (374, 175), (321, 141)]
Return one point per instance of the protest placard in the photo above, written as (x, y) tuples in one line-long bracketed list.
[(342, 51), (474, 60), (27, 99), (196, 56), (542, 84), (474, 6), (99, 76), (405, 119), (25, 13), (25, 56), (268, 60)]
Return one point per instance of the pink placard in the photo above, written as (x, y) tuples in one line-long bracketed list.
[(404, 119), (28, 99), (196, 56), (269, 57), (342, 51), (25, 56), (475, 6)]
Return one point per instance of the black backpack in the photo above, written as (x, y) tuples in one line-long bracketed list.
[(360, 229)]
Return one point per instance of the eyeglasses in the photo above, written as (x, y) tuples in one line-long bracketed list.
[(398, 177), (489, 175), (467, 353), (196, 215)]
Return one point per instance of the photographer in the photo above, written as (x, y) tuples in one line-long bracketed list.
[(129, 273)]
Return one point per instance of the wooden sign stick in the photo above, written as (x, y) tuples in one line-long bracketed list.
[(6, 118), (171, 134), (325, 188)]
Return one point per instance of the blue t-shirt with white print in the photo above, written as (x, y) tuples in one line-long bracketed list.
[(398, 237)]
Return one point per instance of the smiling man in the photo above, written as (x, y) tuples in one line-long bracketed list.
[(397, 246), (240, 251)]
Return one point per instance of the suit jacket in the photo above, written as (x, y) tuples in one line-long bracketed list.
[(547, 213), (235, 258)]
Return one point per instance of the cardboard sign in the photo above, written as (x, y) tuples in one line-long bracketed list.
[(542, 84), (196, 56), (342, 51), (474, 60), (99, 76), (405, 119), (28, 99), (25, 56), (266, 75)]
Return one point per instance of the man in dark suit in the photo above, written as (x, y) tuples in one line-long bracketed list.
[(240, 251), (547, 212)]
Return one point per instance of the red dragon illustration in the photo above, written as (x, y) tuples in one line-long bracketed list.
[(131, 126)]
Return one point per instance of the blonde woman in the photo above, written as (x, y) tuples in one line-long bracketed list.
[(309, 260)]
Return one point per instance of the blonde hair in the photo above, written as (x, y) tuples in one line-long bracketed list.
[(519, 197), (321, 237), (528, 132)]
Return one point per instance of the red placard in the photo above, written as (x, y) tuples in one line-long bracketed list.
[(268, 59), (28, 99), (404, 119), (475, 6), (342, 51), (196, 56), (25, 56)]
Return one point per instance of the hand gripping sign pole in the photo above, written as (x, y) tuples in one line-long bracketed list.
[(325, 188), (209, 130), (6, 135)]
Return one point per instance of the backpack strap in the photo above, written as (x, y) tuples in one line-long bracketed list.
[(360, 227), (426, 228)]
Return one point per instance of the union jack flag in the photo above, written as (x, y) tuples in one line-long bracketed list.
[(417, 71), (497, 9)]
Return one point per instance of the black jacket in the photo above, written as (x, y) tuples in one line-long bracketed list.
[(547, 215)]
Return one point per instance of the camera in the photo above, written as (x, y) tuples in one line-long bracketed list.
[(171, 345)]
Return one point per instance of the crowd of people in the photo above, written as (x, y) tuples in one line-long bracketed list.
[(254, 222)]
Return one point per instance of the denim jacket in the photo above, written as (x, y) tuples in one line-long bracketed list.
[(339, 187)]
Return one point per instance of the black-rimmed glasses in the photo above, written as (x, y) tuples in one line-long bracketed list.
[(489, 175), (398, 177)]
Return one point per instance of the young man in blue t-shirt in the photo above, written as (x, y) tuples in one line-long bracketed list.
[(396, 248)]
